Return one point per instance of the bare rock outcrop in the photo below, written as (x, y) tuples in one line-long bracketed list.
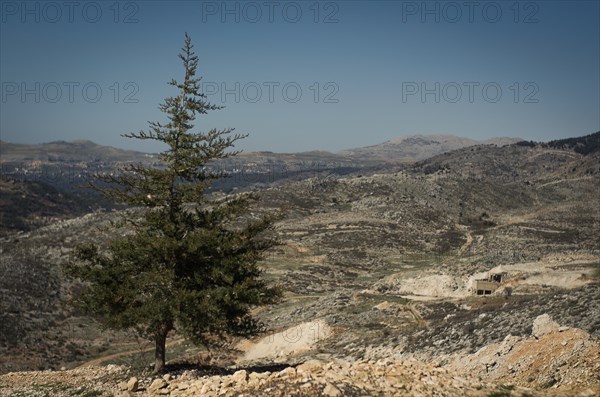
[(554, 357), (544, 325)]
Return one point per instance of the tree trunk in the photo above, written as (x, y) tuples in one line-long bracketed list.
[(160, 338)]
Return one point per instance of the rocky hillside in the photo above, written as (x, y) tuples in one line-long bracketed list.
[(377, 265), (26, 205), (57, 170)]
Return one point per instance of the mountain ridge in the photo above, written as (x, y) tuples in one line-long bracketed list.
[(76, 150), (402, 148), (420, 147)]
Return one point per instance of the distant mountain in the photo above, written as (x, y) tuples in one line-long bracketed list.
[(74, 151), (419, 147), (401, 149)]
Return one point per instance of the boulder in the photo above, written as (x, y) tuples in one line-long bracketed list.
[(132, 384), (311, 366), (240, 376), (157, 384), (543, 325)]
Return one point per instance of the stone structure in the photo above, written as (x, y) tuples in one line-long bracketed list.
[(488, 286)]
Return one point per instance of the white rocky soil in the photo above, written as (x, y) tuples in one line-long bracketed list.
[(554, 361), (562, 272), (280, 345)]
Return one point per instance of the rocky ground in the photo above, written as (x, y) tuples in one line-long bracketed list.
[(553, 356), (557, 361), (376, 269)]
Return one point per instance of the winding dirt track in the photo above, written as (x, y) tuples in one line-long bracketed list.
[(465, 247), (99, 360)]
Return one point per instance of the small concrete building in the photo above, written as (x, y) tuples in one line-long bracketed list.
[(484, 287), (489, 285)]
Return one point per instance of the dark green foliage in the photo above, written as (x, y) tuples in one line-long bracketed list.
[(525, 143), (583, 144), (191, 263)]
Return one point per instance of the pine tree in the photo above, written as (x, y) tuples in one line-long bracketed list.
[(190, 263)]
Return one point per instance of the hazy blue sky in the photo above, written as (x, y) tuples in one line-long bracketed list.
[(303, 75)]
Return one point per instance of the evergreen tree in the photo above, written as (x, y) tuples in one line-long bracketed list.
[(190, 263)]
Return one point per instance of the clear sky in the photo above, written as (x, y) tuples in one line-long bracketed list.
[(303, 75)]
